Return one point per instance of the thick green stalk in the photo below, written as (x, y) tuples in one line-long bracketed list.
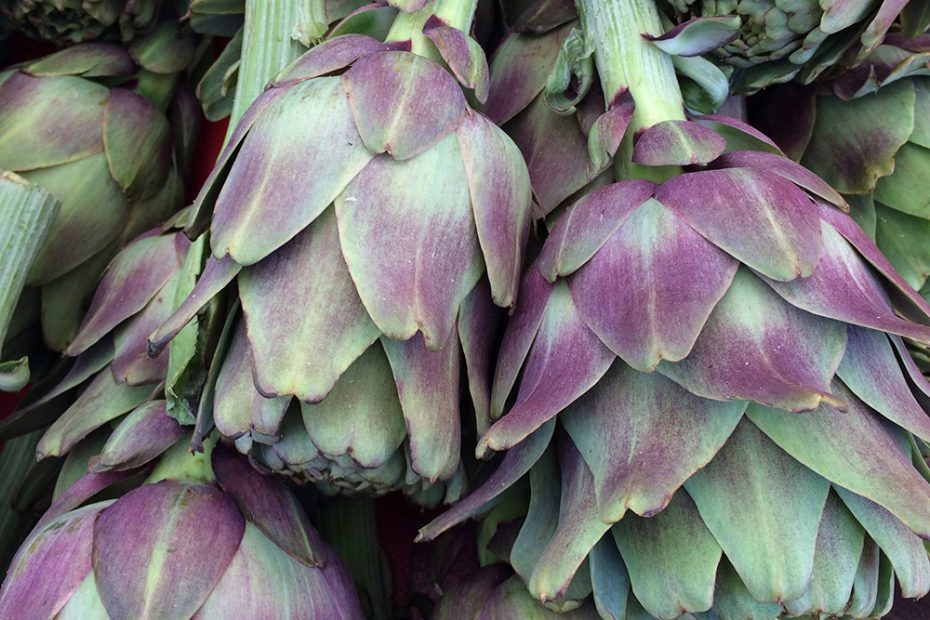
[(627, 61), (271, 41), (27, 212), (348, 524), (409, 26)]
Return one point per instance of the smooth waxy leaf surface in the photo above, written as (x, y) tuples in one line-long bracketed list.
[(579, 528), (137, 138), (160, 549), (840, 541), (672, 559), (855, 449), (643, 436), (844, 288), (361, 417), (650, 288), (903, 548), (586, 226), (428, 386), (49, 121), (723, 204), (238, 405), (408, 236), (565, 361), (499, 186), (755, 347), (299, 154), (304, 352), (262, 581), (132, 279), (270, 506), (764, 508), (50, 566), (678, 143), (515, 464), (872, 372), (402, 103)]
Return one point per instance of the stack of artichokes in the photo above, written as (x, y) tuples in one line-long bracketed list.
[(632, 295)]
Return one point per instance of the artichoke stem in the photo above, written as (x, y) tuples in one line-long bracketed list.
[(348, 524), (627, 61), (409, 26), (271, 41)]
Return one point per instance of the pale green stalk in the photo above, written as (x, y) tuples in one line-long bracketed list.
[(627, 61), (409, 26), (26, 213)]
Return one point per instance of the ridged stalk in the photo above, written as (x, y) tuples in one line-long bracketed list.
[(16, 459), (627, 61), (348, 524), (409, 26), (27, 212), (271, 41)]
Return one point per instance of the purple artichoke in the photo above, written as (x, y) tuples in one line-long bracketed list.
[(390, 220), (236, 546), (704, 393)]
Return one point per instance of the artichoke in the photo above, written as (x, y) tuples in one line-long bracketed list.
[(107, 152), (205, 536), (66, 22), (774, 42), (390, 221), (705, 395), (867, 135), (107, 372)]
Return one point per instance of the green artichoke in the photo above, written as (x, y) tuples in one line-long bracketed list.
[(704, 393), (111, 157), (767, 41), (66, 22), (206, 536)]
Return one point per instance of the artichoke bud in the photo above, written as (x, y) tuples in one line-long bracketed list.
[(236, 540), (780, 41), (105, 151), (655, 432), (369, 271)]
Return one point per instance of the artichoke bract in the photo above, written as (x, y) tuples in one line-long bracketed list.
[(704, 391), (371, 221), (111, 373), (773, 42), (868, 136), (205, 537), (106, 152), (67, 22), (495, 593)]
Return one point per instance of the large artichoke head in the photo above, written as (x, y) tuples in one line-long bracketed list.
[(706, 381), (371, 221), (775, 41), (66, 22), (205, 537), (108, 153)]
